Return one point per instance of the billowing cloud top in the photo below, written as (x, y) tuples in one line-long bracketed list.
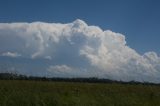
[(73, 50)]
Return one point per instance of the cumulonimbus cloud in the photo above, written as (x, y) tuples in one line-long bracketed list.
[(78, 50)]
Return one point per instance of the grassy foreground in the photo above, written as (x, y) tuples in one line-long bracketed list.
[(39, 93)]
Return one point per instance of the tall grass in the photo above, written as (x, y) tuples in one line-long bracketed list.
[(39, 93)]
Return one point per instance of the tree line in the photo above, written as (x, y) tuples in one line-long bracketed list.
[(14, 76)]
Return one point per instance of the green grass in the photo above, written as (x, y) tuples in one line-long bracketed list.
[(39, 93)]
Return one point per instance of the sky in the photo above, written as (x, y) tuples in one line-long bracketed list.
[(119, 38)]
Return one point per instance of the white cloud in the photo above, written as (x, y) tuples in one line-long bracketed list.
[(48, 57), (60, 68), (69, 71), (62, 71), (11, 54), (89, 49)]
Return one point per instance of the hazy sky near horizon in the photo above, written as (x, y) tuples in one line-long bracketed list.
[(138, 20)]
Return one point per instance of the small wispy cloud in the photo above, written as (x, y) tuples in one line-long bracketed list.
[(11, 54)]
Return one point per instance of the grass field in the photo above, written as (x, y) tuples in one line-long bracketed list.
[(43, 93)]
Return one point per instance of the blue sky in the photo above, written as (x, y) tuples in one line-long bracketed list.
[(138, 20)]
